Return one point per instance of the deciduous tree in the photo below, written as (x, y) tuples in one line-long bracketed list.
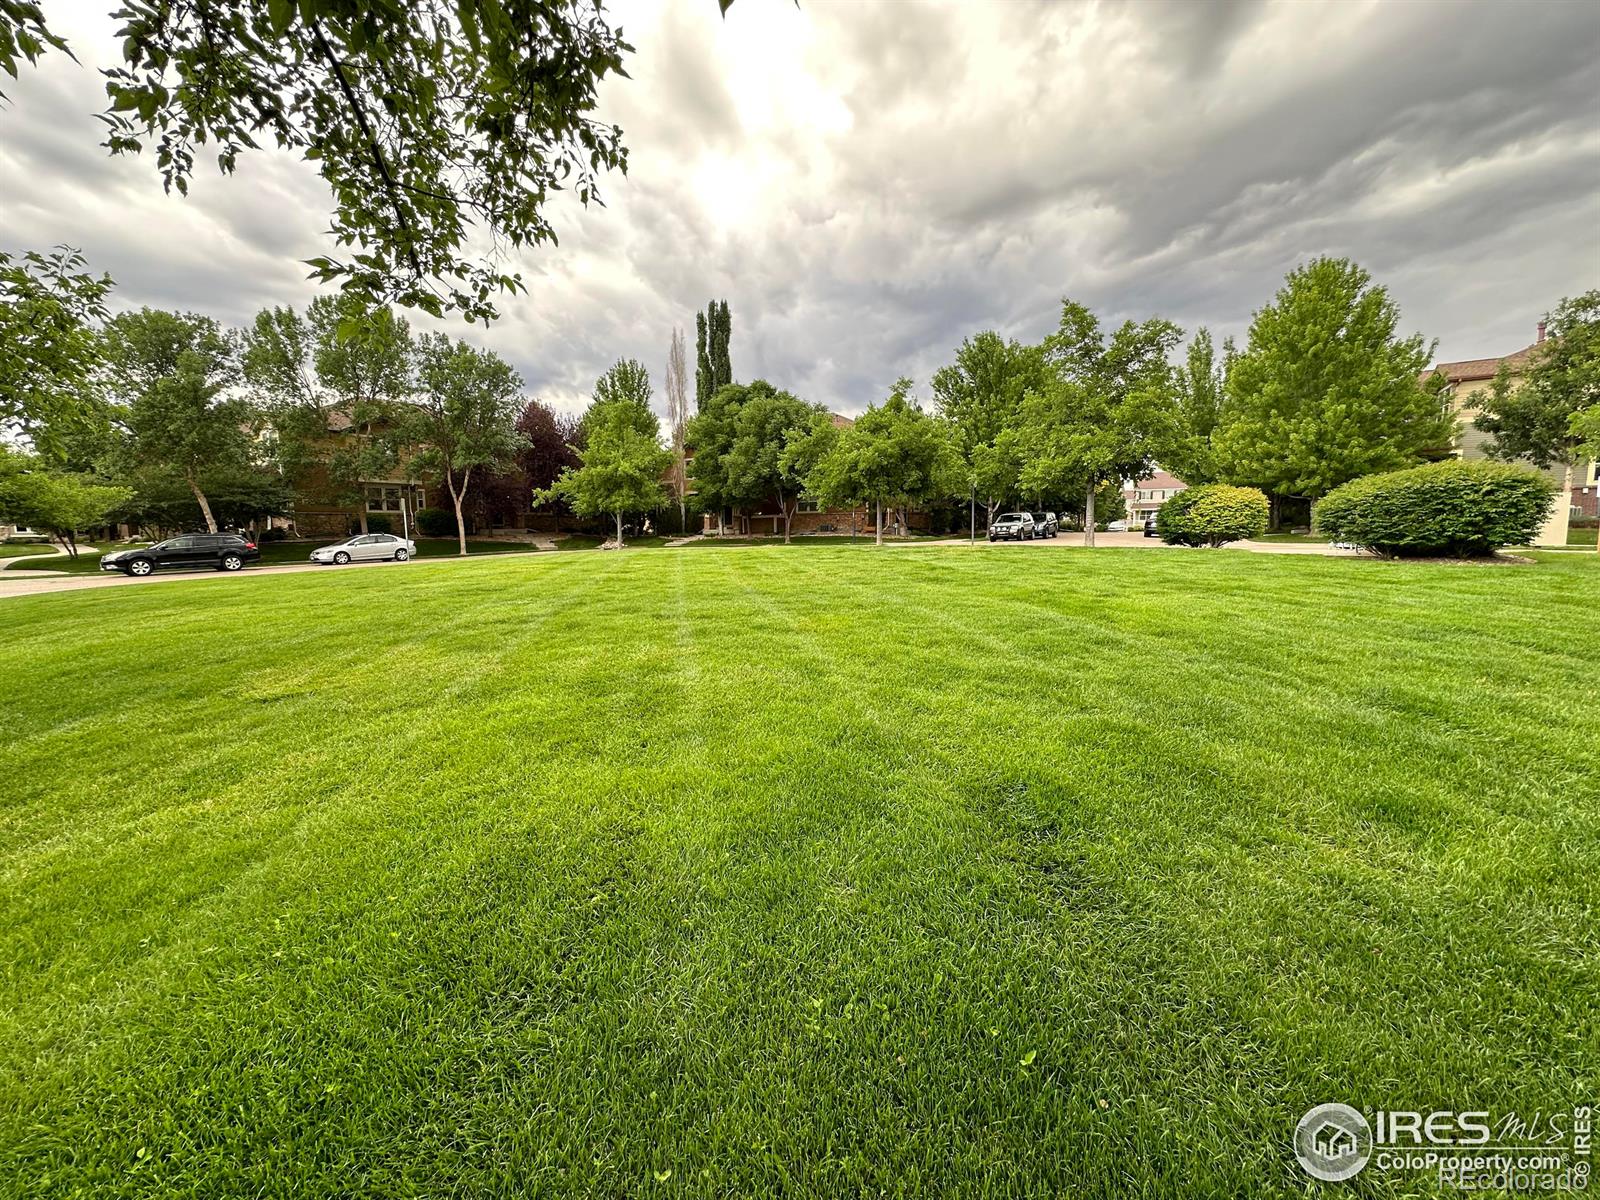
[(622, 464), (336, 369), (49, 346), (710, 434), (425, 118), (464, 416), (756, 466), (171, 371), (895, 455), (1108, 407), (980, 394), (1199, 395), (625, 380), (1326, 390), (1550, 417), (59, 502), (678, 423)]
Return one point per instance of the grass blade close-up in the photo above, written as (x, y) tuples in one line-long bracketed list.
[(761, 872)]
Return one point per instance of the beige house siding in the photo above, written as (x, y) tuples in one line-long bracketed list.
[(1471, 441)]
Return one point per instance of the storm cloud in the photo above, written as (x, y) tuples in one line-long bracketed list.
[(867, 184)]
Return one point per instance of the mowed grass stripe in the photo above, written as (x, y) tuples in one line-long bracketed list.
[(551, 876)]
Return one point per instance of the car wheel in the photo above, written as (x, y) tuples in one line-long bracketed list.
[(231, 562), (140, 566), (401, 555), (341, 558), (991, 537)]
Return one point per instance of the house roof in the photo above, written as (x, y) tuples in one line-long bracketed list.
[(1161, 479), (840, 421), (1481, 368)]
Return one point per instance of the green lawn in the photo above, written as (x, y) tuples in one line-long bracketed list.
[(1582, 537), (765, 872), (23, 549), (275, 553)]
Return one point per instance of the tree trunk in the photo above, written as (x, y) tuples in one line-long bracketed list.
[(1088, 515), (783, 507), (619, 530), (363, 511), (1272, 512), (878, 523), (200, 497), (456, 498)]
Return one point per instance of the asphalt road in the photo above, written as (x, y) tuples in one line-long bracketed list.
[(29, 583)]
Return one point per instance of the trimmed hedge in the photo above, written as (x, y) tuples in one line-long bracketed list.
[(436, 522), (378, 523), (1212, 515), (1445, 509)]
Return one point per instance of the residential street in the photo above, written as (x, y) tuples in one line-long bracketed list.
[(31, 583)]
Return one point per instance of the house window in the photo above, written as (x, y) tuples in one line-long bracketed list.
[(807, 506), (384, 499)]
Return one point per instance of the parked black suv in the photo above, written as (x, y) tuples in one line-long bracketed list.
[(219, 551), (1013, 525), (1150, 529), (1045, 525)]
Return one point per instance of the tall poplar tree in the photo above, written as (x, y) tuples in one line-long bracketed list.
[(713, 362), (702, 364), (677, 424), (721, 344)]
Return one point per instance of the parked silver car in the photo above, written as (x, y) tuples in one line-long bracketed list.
[(366, 547)]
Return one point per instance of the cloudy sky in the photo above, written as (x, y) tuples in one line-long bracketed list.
[(869, 183)]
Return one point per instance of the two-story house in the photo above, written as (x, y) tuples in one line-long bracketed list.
[(1468, 383), (1143, 496)]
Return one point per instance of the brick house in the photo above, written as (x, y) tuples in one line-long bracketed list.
[(1584, 499), (1143, 496), (320, 510), (1467, 386)]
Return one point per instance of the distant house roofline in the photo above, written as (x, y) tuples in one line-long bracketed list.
[(1469, 370)]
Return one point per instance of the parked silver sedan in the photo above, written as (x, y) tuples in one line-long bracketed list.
[(366, 547)]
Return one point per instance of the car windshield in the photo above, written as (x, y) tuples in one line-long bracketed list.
[(1013, 517)]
